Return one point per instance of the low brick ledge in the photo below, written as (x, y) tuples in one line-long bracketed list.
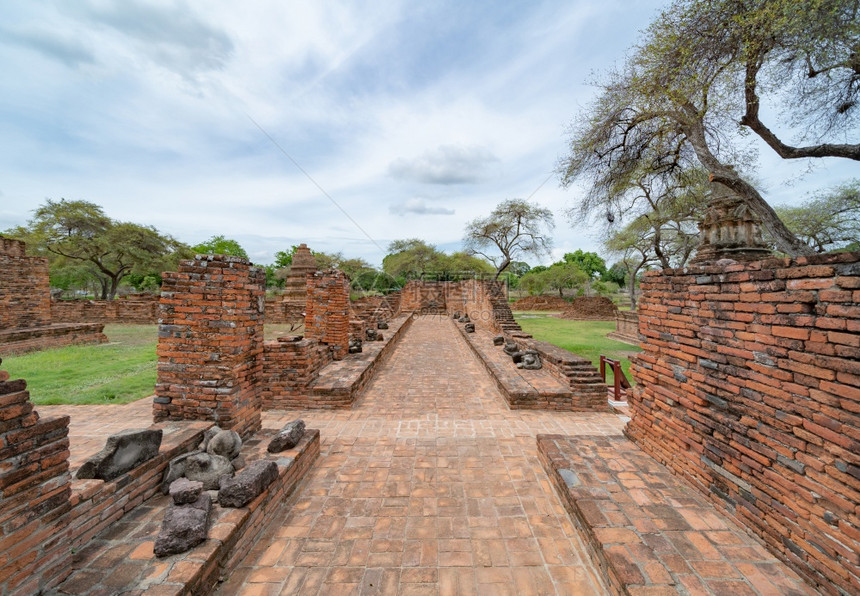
[(522, 389), (648, 532), (58, 335), (121, 559), (341, 382)]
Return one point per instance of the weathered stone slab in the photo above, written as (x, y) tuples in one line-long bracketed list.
[(184, 491), (184, 527), (288, 437), (241, 489), (123, 451), (175, 470)]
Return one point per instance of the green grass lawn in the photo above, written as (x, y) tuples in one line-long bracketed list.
[(117, 372), (585, 338)]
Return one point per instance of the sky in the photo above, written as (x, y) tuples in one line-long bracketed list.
[(344, 125)]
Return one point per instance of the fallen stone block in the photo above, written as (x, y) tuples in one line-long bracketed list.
[(288, 437), (184, 491), (175, 470), (498, 340), (184, 527), (208, 469), (241, 489), (226, 443), (123, 451)]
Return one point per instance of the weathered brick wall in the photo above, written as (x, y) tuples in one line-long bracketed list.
[(485, 303), (140, 310), (626, 326), (377, 308), (25, 292), (749, 387), (31, 339), (327, 310), (34, 491), (289, 367), (210, 343), (424, 296)]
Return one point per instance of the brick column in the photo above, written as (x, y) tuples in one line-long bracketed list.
[(210, 343), (327, 310)]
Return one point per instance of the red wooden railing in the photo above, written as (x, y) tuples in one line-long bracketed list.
[(618, 376)]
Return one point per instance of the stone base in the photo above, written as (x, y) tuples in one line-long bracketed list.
[(31, 339), (121, 558)]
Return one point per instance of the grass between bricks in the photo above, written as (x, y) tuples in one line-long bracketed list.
[(585, 338)]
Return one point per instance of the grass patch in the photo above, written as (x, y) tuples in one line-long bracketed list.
[(585, 338), (118, 372)]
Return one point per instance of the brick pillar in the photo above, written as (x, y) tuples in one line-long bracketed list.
[(327, 310), (25, 293), (35, 491), (210, 343)]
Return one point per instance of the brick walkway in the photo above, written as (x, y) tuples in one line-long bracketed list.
[(430, 485)]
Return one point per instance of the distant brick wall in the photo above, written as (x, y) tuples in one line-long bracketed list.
[(210, 343), (424, 296), (327, 310), (25, 292), (372, 309), (35, 490), (140, 310), (749, 387), (626, 326)]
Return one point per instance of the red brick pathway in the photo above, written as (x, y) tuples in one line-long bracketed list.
[(430, 485)]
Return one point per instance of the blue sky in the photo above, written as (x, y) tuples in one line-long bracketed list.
[(413, 117)]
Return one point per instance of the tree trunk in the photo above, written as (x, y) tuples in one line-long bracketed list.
[(786, 241)]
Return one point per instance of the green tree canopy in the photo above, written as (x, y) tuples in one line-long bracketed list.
[(219, 245), (829, 220), (79, 232), (515, 227), (412, 259), (589, 262)]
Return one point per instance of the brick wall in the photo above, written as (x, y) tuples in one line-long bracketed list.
[(327, 310), (289, 367), (210, 343), (25, 292), (626, 326), (749, 387), (377, 308), (140, 310), (34, 491)]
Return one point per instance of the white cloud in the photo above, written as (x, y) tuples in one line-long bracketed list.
[(417, 206), (447, 164)]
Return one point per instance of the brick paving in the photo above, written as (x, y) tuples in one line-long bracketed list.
[(428, 485)]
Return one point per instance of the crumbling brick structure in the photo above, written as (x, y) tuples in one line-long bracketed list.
[(749, 387), (327, 310), (25, 306), (211, 342), (35, 491)]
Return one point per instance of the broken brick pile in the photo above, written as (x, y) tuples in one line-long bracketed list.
[(210, 343), (748, 387)]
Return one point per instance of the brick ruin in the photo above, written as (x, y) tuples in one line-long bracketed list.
[(748, 388), (327, 310), (210, 343), (26, 322)]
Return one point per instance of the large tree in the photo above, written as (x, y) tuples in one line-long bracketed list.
[(829, 220), (412, 259), (515, 227), (79, 231), (676, 102)]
